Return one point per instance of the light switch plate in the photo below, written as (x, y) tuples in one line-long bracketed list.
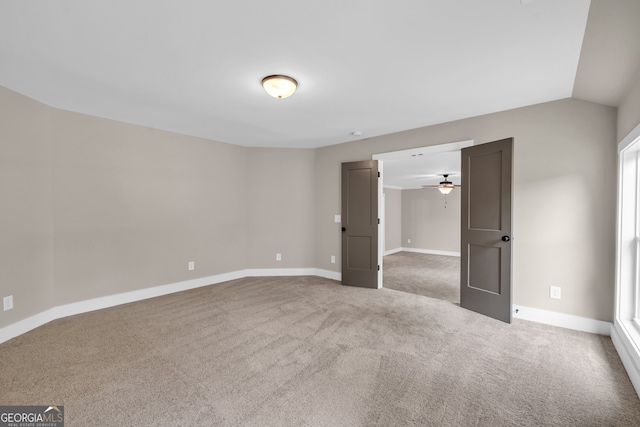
[(337, 218)]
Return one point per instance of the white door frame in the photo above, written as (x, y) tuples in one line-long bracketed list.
[(404, 154)]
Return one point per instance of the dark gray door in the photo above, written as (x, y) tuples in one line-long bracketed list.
[(485, 263), (360, 224)]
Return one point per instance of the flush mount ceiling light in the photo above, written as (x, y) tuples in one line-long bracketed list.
[(279, 86), (445, 186)]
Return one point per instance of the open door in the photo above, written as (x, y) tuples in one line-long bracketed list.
[(485, 258), (360, 224)]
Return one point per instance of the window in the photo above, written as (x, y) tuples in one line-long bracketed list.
[(626, 330)]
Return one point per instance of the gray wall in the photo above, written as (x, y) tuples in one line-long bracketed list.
[(429, 222), (132, 206), (26, 218), (629, 111), (93, 207), (281, 207), (564, 197), (393, 219)]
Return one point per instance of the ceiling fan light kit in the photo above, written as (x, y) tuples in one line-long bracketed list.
[(446, 186)]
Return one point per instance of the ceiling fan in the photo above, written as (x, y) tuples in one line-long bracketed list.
[(445, 186)]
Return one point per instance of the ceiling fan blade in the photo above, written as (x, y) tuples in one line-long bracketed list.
[(437, 186)]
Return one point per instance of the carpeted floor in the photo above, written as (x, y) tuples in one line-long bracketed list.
[(305, 351), (434, 276)]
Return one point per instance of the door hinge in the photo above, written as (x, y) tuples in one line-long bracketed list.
[(378, 221), (378, 174), (378, 267)]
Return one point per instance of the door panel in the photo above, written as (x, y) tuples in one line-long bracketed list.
[(359, 251), (485, 191), (360, 224), (485, 263)]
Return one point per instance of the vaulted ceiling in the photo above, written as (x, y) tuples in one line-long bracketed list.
[(373, 66)]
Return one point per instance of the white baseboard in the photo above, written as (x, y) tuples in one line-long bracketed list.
[(25, 325), (141, 294), (392, 251), (430, 251), (628, 352), (270, 272), (328, 274), (563, 320)]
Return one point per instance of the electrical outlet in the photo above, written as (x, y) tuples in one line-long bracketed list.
[(278, 257), (333, 259), (7, 302), (192, 265), (408, 240), (554, 292)]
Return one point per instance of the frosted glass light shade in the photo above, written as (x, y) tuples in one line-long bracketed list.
[(445, 187), (279, 86)]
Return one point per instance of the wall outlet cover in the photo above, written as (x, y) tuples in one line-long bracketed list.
[(7, 303)]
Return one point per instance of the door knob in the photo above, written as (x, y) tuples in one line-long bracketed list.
[(344, 229), (505, 238)]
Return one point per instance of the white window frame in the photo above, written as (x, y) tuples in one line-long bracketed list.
[(626, 329)]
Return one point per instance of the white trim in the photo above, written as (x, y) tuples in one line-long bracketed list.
[(381, 222), (270, 272), (629, 139), (567, 321), (393, 251), (624, 335), (328, 274), (393, 187), (142, 294), (22, 326), (429, 149), (430, 251), (628, 353)]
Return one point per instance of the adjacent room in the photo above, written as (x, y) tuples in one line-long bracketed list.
[(172, 224), (422, 215)]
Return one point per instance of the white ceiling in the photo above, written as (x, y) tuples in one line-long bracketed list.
[(375, 66), (414, 168)]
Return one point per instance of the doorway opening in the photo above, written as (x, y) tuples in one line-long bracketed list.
[(420, 225)]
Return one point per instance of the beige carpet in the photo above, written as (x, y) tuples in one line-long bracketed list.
[(434, 276), (307, 351)]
